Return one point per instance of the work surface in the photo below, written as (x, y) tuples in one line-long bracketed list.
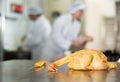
[(22, 71)]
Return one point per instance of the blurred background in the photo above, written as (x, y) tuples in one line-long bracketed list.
[(101, 21)]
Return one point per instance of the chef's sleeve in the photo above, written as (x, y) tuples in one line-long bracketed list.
[(35, 36), (58, 37)]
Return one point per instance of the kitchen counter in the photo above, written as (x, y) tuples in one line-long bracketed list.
[(22, 71)]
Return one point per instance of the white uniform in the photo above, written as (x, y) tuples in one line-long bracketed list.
[(65, 30), (36, 39)]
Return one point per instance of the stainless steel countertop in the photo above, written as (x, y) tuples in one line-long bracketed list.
[(21, 71)]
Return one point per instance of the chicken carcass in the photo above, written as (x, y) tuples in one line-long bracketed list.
[(84, 60)]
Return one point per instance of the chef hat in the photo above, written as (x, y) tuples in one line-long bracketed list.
[(35, 11), (77, 6)]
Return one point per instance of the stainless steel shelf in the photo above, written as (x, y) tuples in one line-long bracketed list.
[(20, 71)]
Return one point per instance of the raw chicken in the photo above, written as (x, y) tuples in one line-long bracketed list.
[(84, 60)]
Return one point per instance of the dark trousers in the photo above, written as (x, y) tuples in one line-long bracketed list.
[(9, 55), (14, 55)]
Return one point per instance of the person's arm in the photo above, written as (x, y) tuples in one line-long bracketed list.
[(77, 30), (59, 39), (35, 36)]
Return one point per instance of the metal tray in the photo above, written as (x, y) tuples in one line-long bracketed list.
[(21, 71)]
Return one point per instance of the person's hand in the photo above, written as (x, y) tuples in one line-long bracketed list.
[(84, 39), (89, 38), (76, 43), (84, 43), (23, 39)]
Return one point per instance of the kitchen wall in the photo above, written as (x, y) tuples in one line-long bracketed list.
[(60, 6), (98, 14), (118, 24)]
